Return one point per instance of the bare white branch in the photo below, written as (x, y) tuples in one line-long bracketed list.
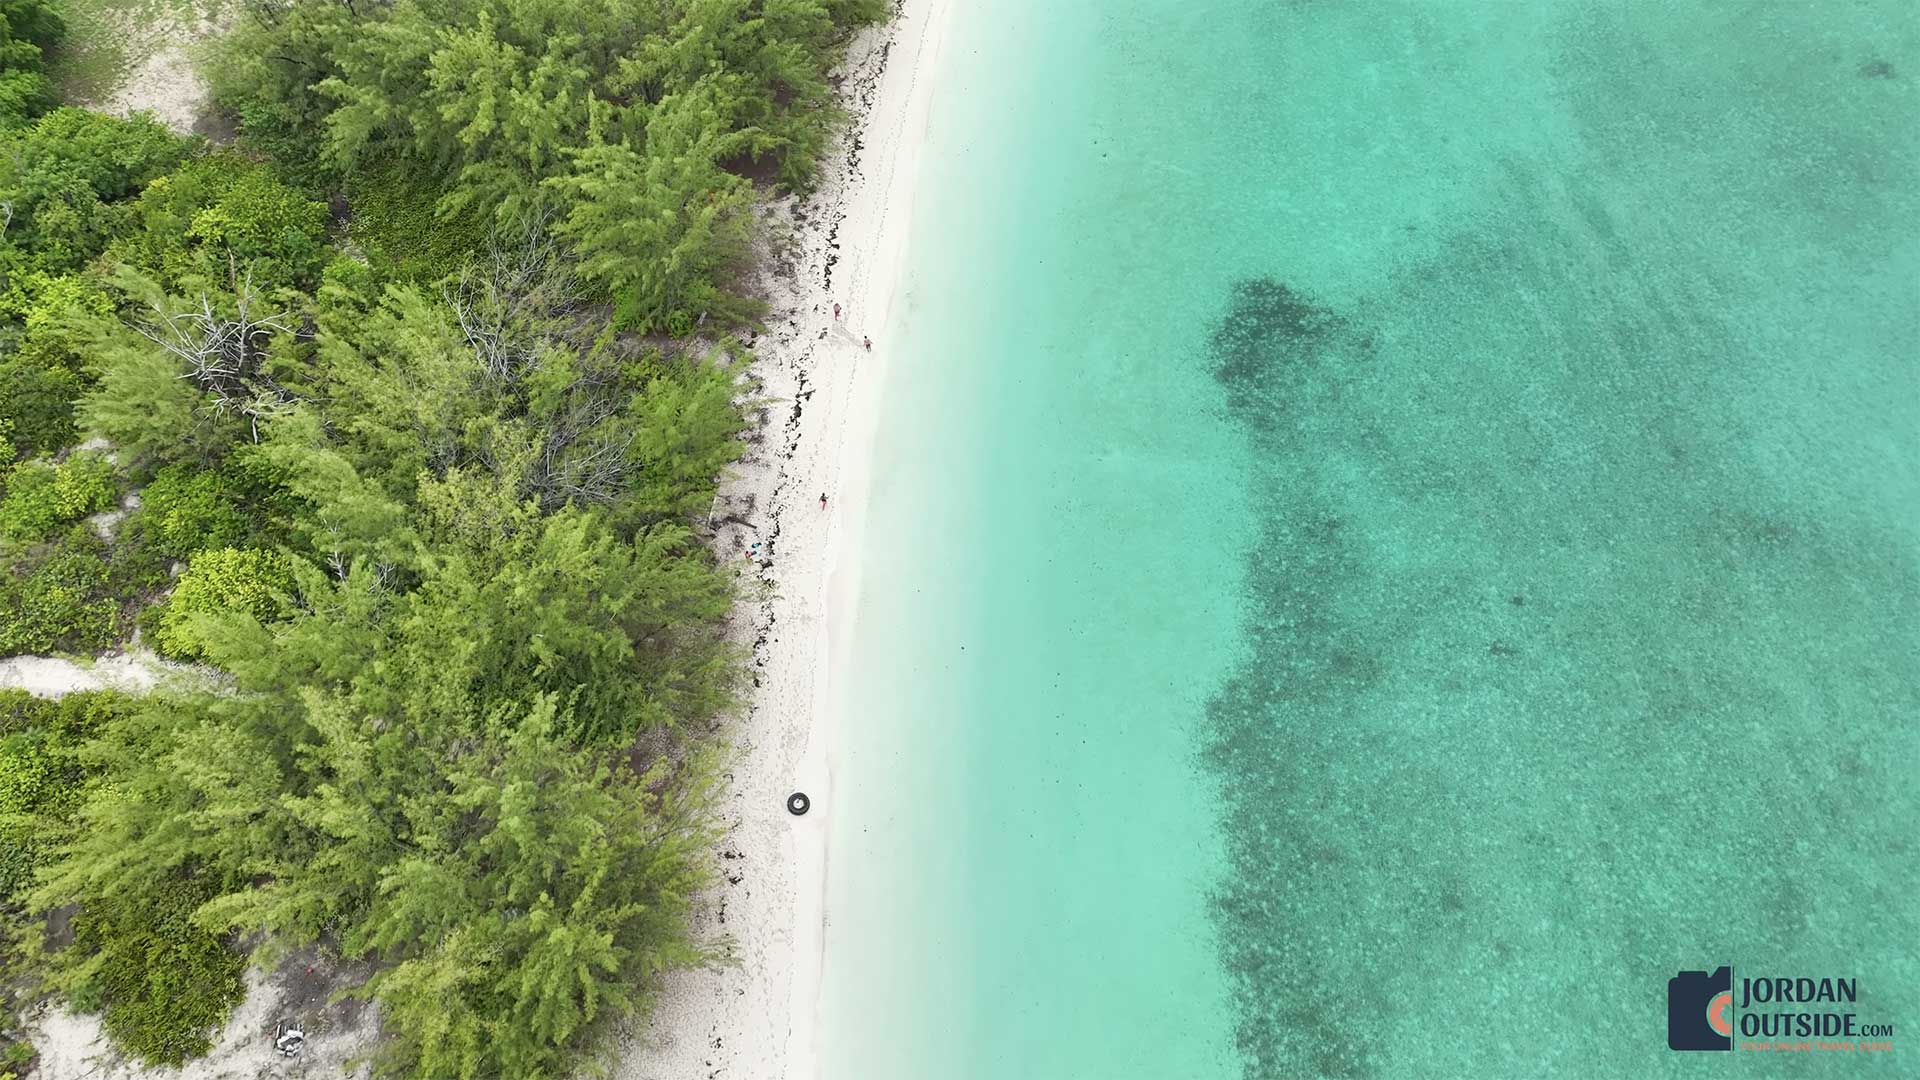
[(222, 353)]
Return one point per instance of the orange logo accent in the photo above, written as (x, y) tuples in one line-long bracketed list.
[(1717, 1017)]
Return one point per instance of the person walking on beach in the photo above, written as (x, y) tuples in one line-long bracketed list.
[(836, 313), (823, 500), (868, 342)]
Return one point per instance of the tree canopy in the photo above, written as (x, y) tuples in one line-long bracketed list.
[(385, 418), (636, 124)]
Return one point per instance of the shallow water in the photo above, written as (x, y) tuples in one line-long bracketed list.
[(1397, 531)]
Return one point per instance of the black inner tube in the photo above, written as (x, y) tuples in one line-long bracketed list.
[(798, 803)]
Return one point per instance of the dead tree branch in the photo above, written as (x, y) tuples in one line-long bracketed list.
[(223, 354)]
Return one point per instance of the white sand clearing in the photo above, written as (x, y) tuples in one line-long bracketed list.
[(340, 1037), (164, 82), (163, 50), (52, 676), (846, 244)]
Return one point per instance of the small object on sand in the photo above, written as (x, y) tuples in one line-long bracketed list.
[(798, 803)]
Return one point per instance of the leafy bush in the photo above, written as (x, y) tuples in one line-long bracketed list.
[(84, 485), (48, 314), (25, 772), (219, 215), (64, 177), (36, 402), (259, 218), (41, 498), (60, 599), (186, 509), (165, 984), (31, 508), (396, 221), (220, 581)]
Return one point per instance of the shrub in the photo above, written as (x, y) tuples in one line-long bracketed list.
[(165, 984), (49, 320), (27, 27), (395, 220), (261, 219), (37, 401), (60, 174), (187, 509), (83, 484), (220, 581), (31, 509), (41, 379), (59, 600), (41, 497), (219, 212), (42, 775)]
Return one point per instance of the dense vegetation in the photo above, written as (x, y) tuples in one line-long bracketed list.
[(410, 482), (637, 125)]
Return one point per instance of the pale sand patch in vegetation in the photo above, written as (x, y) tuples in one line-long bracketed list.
[(124, 57), (54, 676), (340, 1036)]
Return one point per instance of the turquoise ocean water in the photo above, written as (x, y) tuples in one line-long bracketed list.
[(1396, 530)]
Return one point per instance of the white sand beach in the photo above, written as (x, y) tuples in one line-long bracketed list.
[(758, 1019), (846, 244)]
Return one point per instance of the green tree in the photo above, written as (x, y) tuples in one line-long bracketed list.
[(27, 29), (436, 512), (48, 368), (656, 228), (186, 377), (565, 879), (64, 178), (636, 123)]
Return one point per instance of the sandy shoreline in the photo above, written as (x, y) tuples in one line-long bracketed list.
[(758, 1018)]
